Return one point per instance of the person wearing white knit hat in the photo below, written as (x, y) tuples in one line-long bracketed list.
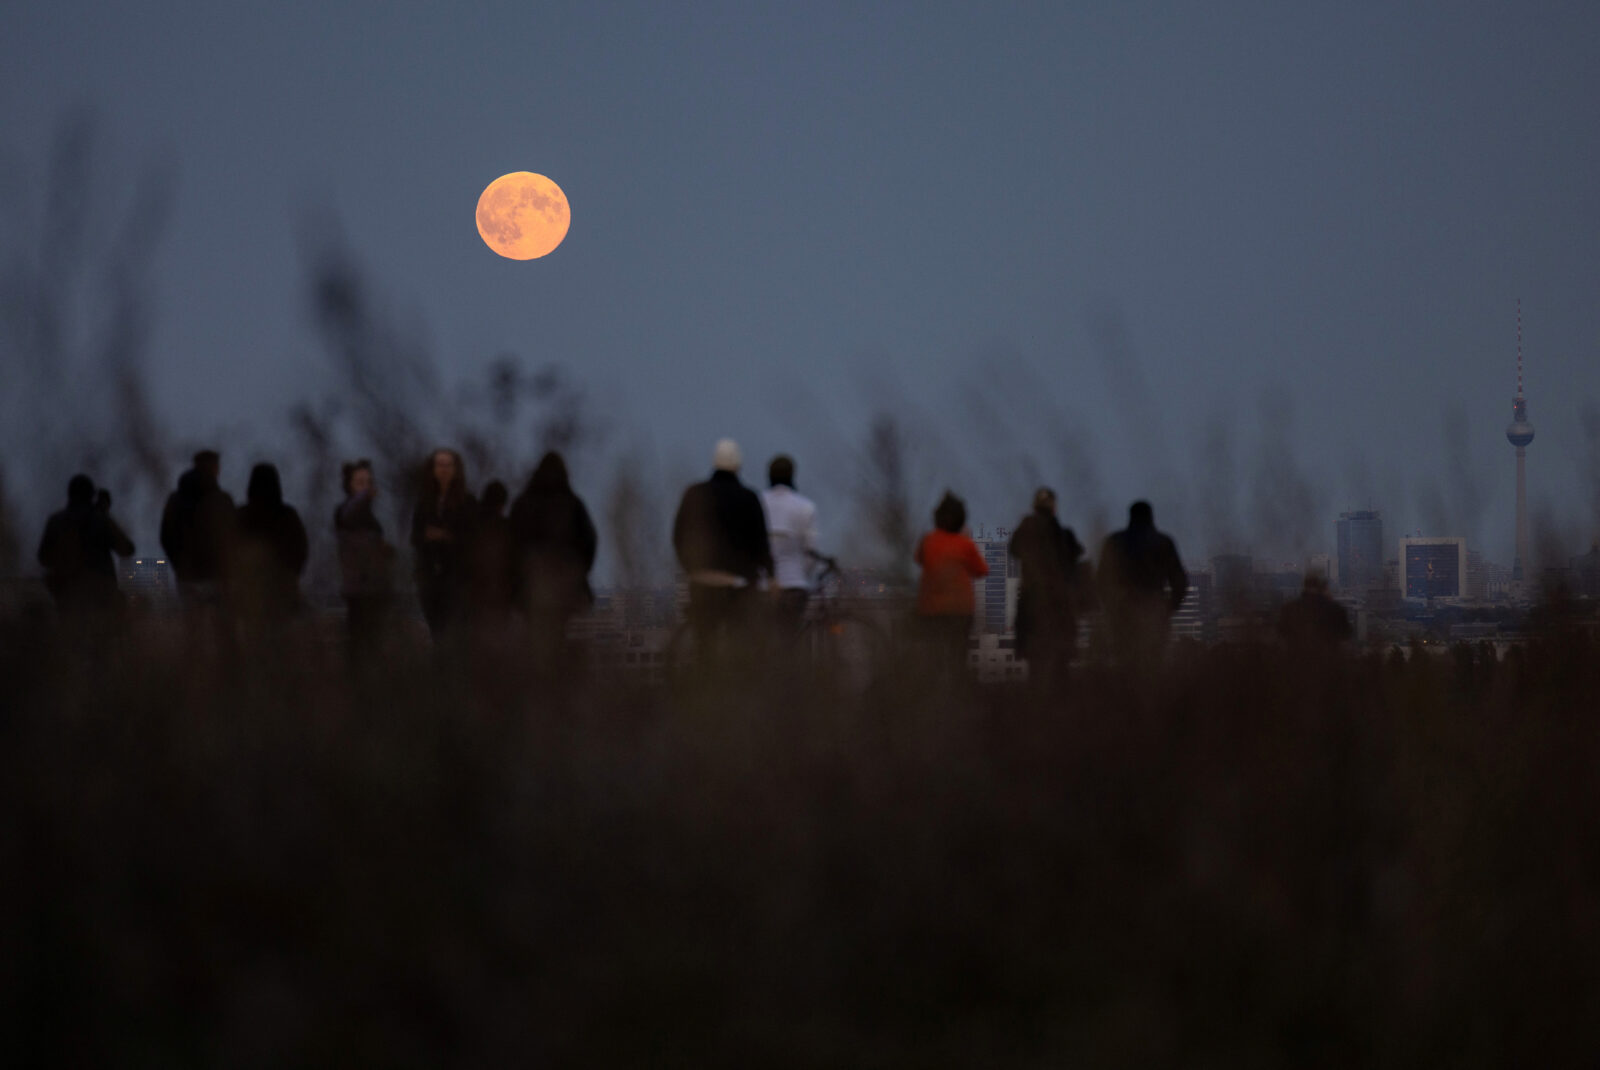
[(726, 457), (720, 535)]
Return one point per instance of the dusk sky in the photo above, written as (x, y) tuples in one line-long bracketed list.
[(1014, 226)]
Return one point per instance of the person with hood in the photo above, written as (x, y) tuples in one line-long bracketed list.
[(553, 544), (1141, 582), (1047, 610), (76, 550), (720, 536), (441, 536), (197, 531), (946, 601), (269, 550), (366, 560)]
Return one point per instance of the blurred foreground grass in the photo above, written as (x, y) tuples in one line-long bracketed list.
[(1245, 862)]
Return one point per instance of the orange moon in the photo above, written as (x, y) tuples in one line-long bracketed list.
[(523, 216)]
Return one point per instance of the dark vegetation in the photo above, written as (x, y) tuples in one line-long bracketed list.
[(1242, 863)]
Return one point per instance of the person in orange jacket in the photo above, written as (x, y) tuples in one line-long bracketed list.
[(950, 562)]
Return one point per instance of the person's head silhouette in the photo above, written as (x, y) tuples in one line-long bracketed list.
[(780, 473), (80, 490), (726, 457), (265, 486), (493, 502), (358, 478), (1140, 515), (550, 476), (950, 514), (445, 475)]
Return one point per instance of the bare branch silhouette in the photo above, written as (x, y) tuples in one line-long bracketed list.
[(76, 315), (883, 496)]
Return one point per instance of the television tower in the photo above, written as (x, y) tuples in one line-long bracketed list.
[(1519, 434)]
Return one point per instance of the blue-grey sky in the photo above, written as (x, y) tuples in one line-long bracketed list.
[(1291, 235)]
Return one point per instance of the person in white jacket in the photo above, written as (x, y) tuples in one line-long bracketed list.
[(792, 531)]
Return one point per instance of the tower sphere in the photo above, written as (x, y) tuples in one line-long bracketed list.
[(1520, 433)]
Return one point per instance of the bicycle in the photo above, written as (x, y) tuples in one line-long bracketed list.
[(832, 642), (837, 643)]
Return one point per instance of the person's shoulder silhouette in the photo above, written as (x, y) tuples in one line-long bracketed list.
[(720, 526), (77, 546), (267, 519), (197, 524), (1314, 619), (1142, 562), (555, 541)]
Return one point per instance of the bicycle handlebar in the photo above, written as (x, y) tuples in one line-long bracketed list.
[(829, 564)]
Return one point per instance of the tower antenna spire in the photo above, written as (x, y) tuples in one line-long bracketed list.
[(1519, 434)]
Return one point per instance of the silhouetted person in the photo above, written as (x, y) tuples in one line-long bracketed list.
[(720, 535), (197, 531), (269, 550), (366, 561), (792, 534), (76, 550), (1047, 598), (1141, 582), (441, 534), (945, 600), (1314, 621), (553, 544), (493, 576)]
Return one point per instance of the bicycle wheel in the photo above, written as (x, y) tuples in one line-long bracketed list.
[(844, 651)]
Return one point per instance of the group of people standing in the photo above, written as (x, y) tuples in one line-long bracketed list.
[(243, 563), (77, 548), (1140, 583), (478, 559), (249, 557), (727, 538), (474, 563)]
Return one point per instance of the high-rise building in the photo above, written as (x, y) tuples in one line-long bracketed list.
[(1193, 618), (997, 592), (1519, 434), (1359, 541), (1486, 580), (1433, 567)]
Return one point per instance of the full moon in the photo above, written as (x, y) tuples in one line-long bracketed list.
[(523, 216)]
